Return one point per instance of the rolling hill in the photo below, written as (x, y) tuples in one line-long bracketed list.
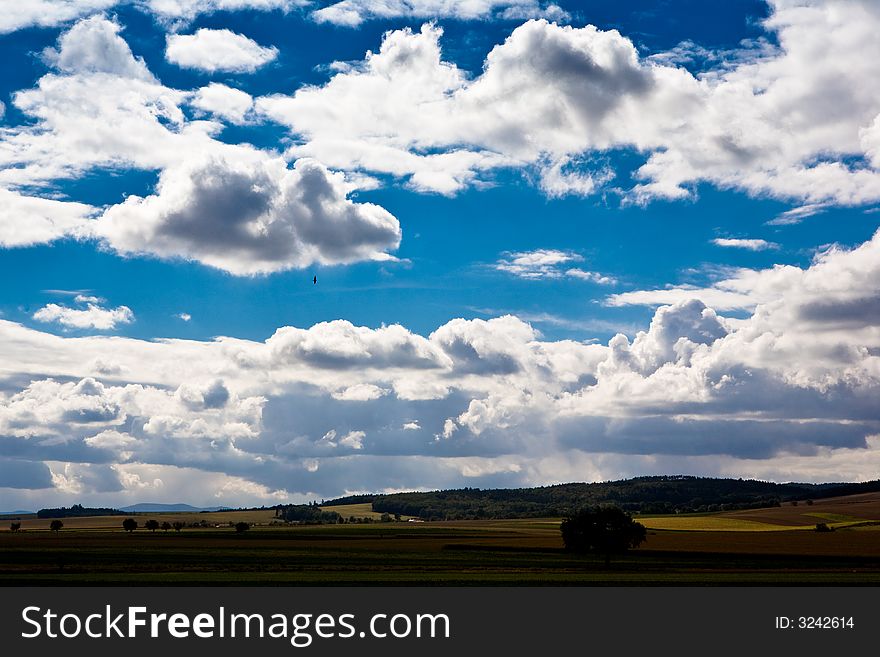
[(674, 494)]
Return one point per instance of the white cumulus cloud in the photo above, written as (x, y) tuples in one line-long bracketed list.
[(360, 392), (250, 216), (93, 316), (744, 243), (16, 15), (29, 220), (93, 45), (217, 50), (101, 108), (550, 96), (224, 102)]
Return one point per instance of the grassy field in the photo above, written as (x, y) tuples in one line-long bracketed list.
[(444, 553), (767, 546)]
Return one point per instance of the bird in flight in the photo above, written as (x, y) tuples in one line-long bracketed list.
[(314, 280)]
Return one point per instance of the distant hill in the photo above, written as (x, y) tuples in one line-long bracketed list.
[(169, 508), (80, 511), (17, 513), (654, 495)]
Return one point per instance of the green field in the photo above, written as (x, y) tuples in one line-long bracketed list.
[(503, 552)]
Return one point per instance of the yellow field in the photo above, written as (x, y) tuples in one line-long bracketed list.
[(364, 510), (712, 524), (834, 517), (220, 518), (257, 517)]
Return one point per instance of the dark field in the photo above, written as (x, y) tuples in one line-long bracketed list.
[(502, 552)]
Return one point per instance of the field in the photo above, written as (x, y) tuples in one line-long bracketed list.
[(356, 510), (766, 546), (837, 512), (31, 523)]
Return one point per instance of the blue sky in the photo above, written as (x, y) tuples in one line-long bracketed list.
[(553, 242)]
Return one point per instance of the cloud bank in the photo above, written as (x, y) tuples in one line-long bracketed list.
[(351, 13), (337, 407)]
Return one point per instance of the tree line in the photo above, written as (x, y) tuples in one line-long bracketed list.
[(643, 495), (313, 514), (77, 511), (306, 514)]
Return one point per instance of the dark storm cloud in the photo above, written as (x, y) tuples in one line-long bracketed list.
[(16, 473)]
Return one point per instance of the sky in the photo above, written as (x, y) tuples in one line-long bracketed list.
[(553, 242)]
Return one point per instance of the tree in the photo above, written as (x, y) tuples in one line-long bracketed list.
[(129, 525), (602, 529), (166, 526), (14, 526), (152, 524), (242, 527), (177, 525), (56, 525)]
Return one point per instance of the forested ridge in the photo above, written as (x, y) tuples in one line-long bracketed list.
[(647, 495)]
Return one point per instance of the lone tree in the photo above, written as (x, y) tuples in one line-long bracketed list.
[(152, 524), (177, 525), (14, 526), (56, 525), (129, 524), (602, 529), (242, 527)]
